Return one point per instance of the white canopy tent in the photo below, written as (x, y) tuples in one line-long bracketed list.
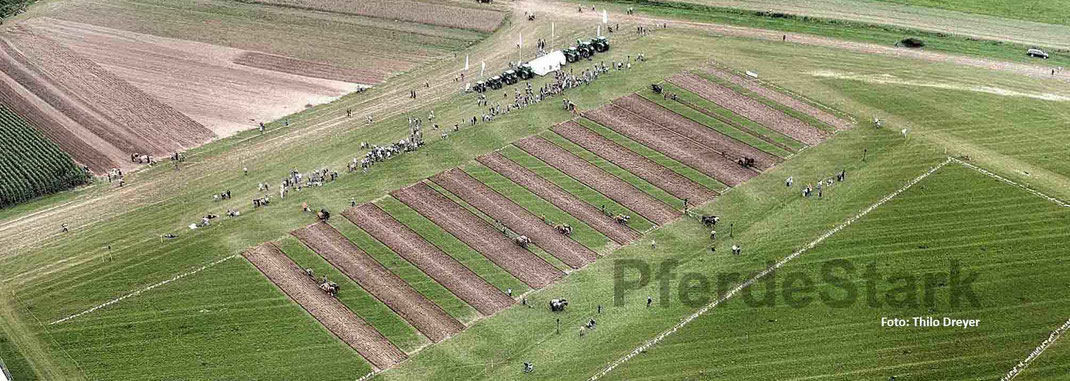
[(548, 63)]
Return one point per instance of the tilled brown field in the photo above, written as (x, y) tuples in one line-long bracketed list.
[(781, 98), (484, 20), (310, 69), (654, 173), (123, 114), (560, 198), (514, 217), (676, 146), (618, 190), (422, 313), (479, 235), (334, 315), (696, 131), (438, 265), (749, 108)]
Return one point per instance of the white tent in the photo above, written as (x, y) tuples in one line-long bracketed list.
[(548, 63)]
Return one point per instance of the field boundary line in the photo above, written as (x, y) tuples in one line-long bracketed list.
[(1036, 352), (1012, 182), (767, 271), (149, 288)]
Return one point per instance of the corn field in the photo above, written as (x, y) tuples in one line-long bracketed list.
[(31, 165)]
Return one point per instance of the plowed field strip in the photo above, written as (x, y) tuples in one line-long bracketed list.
[(479, 235), (680, 148), (749, 108), (424, 315), (693, 130), (445, 270), (559, 197), (739, 126), (654, 173), (781, 98), (613, 187), (310, 69), (353, 330), (514, 217)]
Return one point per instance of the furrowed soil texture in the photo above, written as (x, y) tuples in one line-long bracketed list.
[(479, 235), (325, 308), (134, 121), (484, 20), (613, 187), (424, 315), (225, 89), (701, 158), (654, 173), (693, 130), (779, 97), (445, 270), (749, 108), (559, 197), (309, 68), (514, 217)]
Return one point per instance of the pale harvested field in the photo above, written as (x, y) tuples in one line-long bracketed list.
[(199, 80), (416, 11)]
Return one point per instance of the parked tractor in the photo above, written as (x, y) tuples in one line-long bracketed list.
[(479, 87), (600, 44), (509, 77), (572, 54), (494, 83), (525, 72)]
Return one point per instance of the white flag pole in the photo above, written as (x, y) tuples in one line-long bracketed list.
[(465, 62), (605, 17), (482, 68), (551, 36)]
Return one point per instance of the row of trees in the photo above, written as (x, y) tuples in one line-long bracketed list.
[(31, 165)]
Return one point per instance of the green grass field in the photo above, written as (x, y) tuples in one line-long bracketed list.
[(1011, 239), (229, 321), (1052, 12)]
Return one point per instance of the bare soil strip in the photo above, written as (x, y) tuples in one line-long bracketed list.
[(484, 20), (627, 195), (560, 198), (738, 126), (676, 146), (310, 69), (696, 131), (438, 265), (412, 306), (479, 235), (779, 97), (749, 108), (334, 315), (654, 173), (130, 118), (515, 217)]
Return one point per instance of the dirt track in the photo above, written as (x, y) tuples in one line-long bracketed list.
[(441, 267), (749, 108), (563, 200), (515, 217), (654, 173), (671, 144), (693, 130), (618, 190), (422, 313), (334, 315), (479, 235), (779, 97)]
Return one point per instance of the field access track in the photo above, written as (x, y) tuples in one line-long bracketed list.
[(659, 175), (749, 108), (438, 265), (422, 313), (560, 198), (479, 235), (515, 217), (781, 98), (696, 131), (334, 315), (627, 195), (671, 144)]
